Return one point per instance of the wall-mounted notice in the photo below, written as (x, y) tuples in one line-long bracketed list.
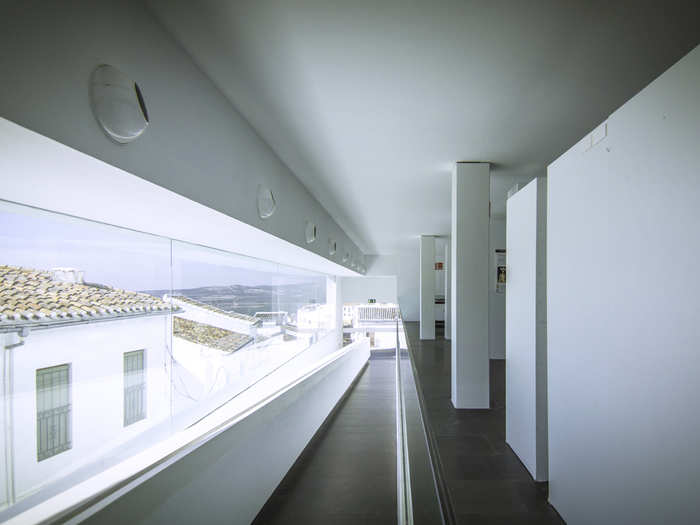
[(499, 259)]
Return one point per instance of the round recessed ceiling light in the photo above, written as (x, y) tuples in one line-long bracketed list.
[(266, 202), (332, 246), (118, 104)]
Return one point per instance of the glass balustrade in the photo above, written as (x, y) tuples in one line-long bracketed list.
[(420, 500)]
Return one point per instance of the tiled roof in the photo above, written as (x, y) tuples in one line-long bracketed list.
[(211, 336), (248, 318), (31, 297)]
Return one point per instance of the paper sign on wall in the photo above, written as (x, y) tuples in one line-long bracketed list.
[(500, 264)]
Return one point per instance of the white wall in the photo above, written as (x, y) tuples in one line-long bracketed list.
[(497, 301), (624, 312), (406, 267), (499, 187), (360, 289), (197, 145), (440, 243), (526, 359), (409, 283)]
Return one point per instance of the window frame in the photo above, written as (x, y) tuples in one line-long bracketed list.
[(54, 414), (139, 386)]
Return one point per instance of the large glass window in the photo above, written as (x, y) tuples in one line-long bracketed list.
[(114, 339)]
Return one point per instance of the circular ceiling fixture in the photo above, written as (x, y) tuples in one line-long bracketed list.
[(310, 232), (266, 202), (118, 104), (346, 256), (332, 246)]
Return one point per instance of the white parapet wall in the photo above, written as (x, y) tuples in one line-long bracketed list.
[(623, 245)]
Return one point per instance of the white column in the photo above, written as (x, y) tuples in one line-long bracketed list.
[(470, 285), (334, 297), (427, 287), (448, 291)]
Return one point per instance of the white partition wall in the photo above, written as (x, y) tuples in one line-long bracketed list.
[(448, 290), (427, 287), (526, 318), (623, 287), (470, 285)]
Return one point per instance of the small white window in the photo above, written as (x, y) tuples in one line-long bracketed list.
[(134, 387), (53, 411)]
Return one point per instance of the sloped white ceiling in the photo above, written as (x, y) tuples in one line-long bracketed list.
[(371, 102)]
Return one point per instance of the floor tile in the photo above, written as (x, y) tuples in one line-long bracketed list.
[(347, 474), (486, 481)]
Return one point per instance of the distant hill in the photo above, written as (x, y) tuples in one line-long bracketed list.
[(251, 299)]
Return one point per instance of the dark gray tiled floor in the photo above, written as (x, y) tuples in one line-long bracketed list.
[(486, 481), (347, 474)]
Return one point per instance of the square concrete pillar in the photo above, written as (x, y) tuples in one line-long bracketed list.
[(470, 285), (427, 287)]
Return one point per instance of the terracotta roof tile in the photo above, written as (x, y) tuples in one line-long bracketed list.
[(207, 335), (248, 318), (29, 297)]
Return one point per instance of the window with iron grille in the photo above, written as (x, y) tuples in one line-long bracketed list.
[(134, 387), (53, 411)]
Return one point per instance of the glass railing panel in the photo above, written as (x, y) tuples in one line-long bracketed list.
[(422, 497)]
